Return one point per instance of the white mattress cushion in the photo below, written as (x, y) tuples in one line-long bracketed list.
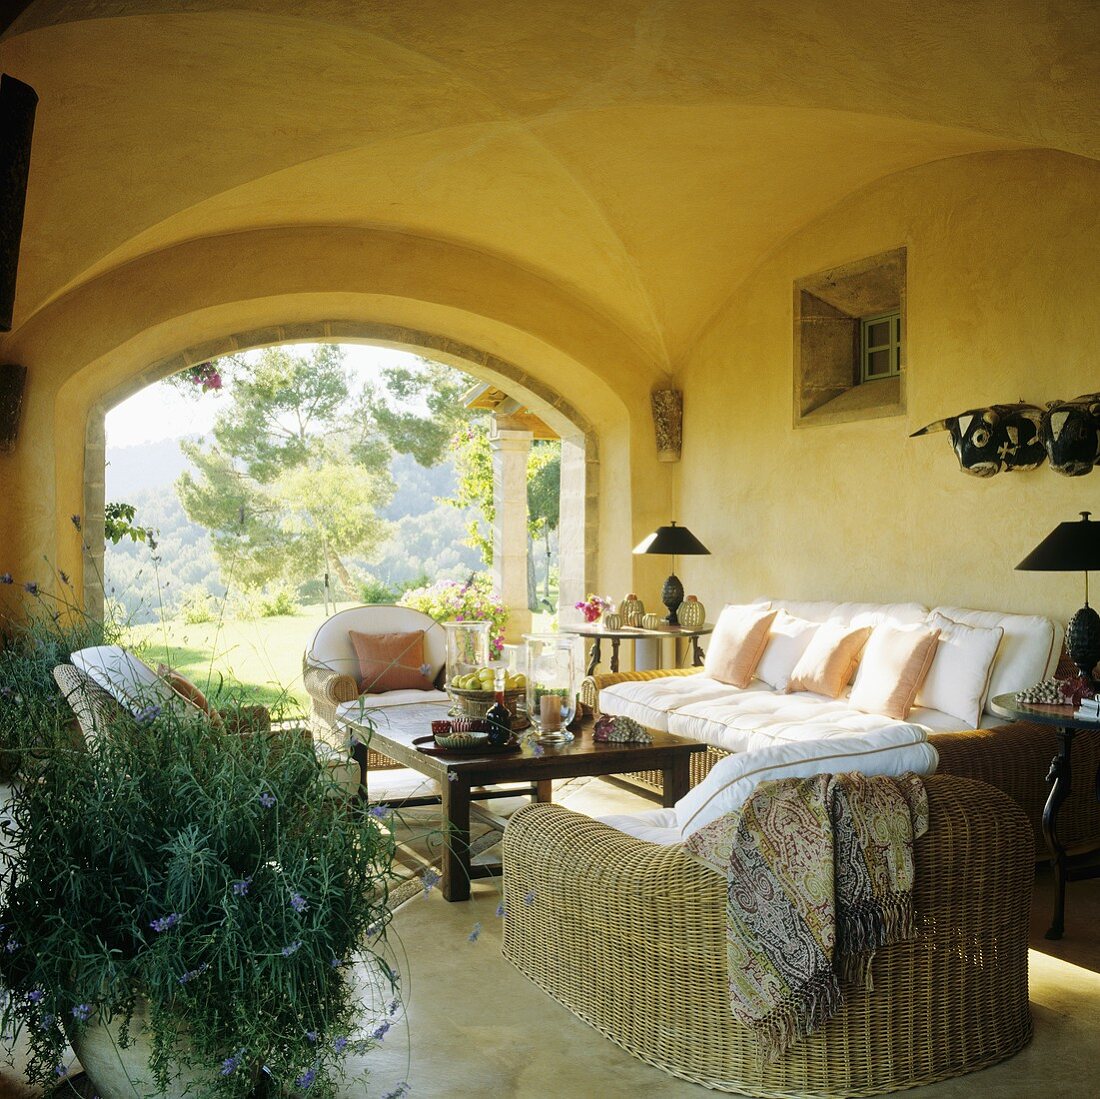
[(654, 825), (892, 750), (650, 701), (1029, 650), (958, 680), (125, 678), (787, 641)]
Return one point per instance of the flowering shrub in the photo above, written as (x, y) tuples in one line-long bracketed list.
[(452, 601), (205, 375), (219, 885), (593, 607)]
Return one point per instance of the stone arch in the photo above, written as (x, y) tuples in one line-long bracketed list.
[(579, 522)]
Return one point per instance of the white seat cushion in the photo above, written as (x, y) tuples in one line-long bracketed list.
[(125, 678), (653, 826), (888, 751), (650, 701)]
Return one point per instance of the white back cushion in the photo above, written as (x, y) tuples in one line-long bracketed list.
[(1029, 650), (875, 614), (958, 680), (787, 641), (331, 646), (125, 678), (812, 611), (891, 750)]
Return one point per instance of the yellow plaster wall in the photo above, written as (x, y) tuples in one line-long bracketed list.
[(1003, 285)]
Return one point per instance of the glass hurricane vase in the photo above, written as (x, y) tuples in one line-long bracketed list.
[(551, 685)]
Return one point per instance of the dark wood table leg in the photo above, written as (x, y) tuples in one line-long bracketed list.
[(593, 656), (545, 790), (1060, 776), (675, 779), (614, 654), (456, 847), (696, 653)]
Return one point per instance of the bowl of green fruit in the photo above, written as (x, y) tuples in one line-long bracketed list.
[(472, 694)]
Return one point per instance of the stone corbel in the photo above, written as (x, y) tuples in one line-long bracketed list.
[(668, 418)]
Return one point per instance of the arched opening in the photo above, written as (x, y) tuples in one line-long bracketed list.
[(579, 451)]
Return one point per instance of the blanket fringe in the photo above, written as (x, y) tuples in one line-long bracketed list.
[(812, 1004)]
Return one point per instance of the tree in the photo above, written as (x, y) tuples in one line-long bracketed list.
[(293, 478), (543, 504)]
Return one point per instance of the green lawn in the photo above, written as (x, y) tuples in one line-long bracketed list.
[(262, 657)]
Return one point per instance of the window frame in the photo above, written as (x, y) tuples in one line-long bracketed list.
[(893, 346)]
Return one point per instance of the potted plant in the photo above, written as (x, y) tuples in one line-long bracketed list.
[(204, 890)]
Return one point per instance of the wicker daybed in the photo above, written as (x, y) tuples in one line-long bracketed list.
[(629, 936)]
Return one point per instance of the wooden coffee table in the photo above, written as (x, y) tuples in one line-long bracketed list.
[(459, 773)]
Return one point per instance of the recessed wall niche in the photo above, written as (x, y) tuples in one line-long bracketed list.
[(842, 369)]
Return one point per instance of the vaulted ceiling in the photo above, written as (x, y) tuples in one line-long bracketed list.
[(642, 156)]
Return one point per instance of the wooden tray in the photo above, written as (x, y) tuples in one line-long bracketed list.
[(427, 745)]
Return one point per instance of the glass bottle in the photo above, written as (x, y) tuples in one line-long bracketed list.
[(498, 718)]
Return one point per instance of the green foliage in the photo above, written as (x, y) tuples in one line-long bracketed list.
[(423, 432), (543, 487), (118, 523), (449, 600), (34, 717), (281, 601), (221, 879), (293, 479), (197, 606), (373, 590)]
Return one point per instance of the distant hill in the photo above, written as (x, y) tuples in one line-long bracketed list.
[(133, 469)]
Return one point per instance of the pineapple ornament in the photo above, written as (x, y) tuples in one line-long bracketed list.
[(632, 609), (692, 613)]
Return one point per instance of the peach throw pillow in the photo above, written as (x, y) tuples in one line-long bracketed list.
[(829, 660), (894, 665), (391, 661), (738, 642)]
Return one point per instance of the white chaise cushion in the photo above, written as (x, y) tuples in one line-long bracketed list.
[(125, 678), (1029, 650), (649, 702), (958, 680), (787, 641), (892, 750)]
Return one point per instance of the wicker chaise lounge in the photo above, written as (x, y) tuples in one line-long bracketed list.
[(629, 936)]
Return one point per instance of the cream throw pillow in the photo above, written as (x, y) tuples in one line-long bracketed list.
[(829, 660), (736, 645), (892, 668), (958, 680), (787, 641)]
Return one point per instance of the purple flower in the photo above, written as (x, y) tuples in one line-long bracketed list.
[(452, 776), (81, 1012), (231, 1064), (191, 974), (11, 946), (335, 963), (306, 1079), (64, 576), (500, 909), (240, 888), (429, 879), (30, 587), (394, 1005), (529, 898), (148, 714), (163, 923), (267, 800), (425, 670), (380, 811), (48, 1021), (299, 903), (59, 1070), (476, 933), (292, 948), (5, 578), (36, 996), (75, 520), (340, 1045), (312, 1035), (538, 750), (379, 1031)]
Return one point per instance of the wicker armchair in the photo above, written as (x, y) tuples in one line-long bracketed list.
[(630, 937)]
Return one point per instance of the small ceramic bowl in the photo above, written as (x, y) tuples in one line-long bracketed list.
[(441, 728), (462, 740)]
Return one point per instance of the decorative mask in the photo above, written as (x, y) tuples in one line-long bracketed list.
[(1070, 432), (989, 440)]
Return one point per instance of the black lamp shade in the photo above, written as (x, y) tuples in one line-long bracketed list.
[(677, 541), (1070, 547)]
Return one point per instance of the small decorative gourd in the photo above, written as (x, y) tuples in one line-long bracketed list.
[(651, 621), (632, 609), (692, 613), (612, 621)]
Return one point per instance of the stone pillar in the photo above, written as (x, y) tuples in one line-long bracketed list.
[(510, 448)]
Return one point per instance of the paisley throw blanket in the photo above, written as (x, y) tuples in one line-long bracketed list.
[(820, 874)]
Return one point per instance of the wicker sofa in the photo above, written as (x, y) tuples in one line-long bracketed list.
[(1014, 757), (629, 936)]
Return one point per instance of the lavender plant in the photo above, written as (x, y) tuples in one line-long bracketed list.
[(220, 884)]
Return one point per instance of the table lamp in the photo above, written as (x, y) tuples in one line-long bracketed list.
[(1074, 547), (675, 541)]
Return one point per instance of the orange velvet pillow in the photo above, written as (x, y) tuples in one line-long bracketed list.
[(391, 661), (829, 660), (184, 688), (739, 638)]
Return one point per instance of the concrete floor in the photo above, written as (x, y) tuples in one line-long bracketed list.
[(476, 1027)]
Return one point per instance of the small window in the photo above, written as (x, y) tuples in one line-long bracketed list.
[(880, 347)]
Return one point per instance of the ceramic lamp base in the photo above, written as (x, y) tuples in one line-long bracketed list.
[(1083, 642), (672, 595)]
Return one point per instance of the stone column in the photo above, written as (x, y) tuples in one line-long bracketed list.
[(510, 448)]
